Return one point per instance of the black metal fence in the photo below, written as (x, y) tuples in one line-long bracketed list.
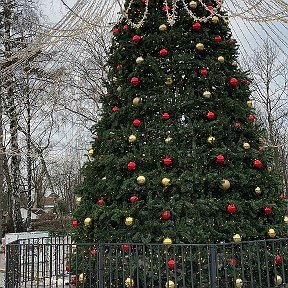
[(57, 262)]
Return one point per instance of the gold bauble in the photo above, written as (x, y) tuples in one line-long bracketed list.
[(199, 46), (119, 89), (78, 200), (141, 180), (261, 141), (278, 280), (166, 182), (237, 238), (221, 59), (167, 241), (88, 222), (170, 284), (286, 219), (193, 4), (136, 101), (207, 94), (215, 19), (168, 140), (225, 184), (246, 146), (249, 104), (90, 152), (129, 282), (271, 233), (82, 277), (163, 28), (258, 190), (238, 283), (139, 60), (169, 81), (211, 139), (132, 138), (129, 221)]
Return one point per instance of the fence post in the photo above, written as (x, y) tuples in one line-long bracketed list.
[(101, 265), (213, 266)]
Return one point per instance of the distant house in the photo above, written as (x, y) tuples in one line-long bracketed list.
[(49, 202)]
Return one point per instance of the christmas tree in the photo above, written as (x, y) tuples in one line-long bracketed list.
[(178, 155)]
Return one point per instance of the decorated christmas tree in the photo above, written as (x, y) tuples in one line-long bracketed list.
[(178, 156)]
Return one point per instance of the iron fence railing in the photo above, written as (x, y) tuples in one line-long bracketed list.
[(57, 262)]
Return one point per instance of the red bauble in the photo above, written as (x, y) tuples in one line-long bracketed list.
[(171, 263), (74, 223), (163, 52), (218, 38), (210, 115), (204, 72), (282, 196), (67, 268), (132, 166), (115, 30), (233, 82), (196, 26), (135, 81), (232, 262), (268, 210), (125, 27), (278, 259), (136, 123), (73, 280), (166, 215), (251, 118), (93, 251), (125, 247), (244, 81), (166, 116), (210, 8), (236, 124), (231, 208), (166, 8), (100, 202), (134, 198), (115, 108), (136, 39), (220, 159), (167, 161), (144, 1), (257, 164)]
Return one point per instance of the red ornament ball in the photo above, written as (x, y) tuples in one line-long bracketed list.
[(115, 30), (136, 39), (101, 202), (268, 211), (210, 115), (93, 251), (220, 159), (74, 223), (125, 27), (135, 81), (125, 247), (73, 280), (163, 52), (171, 263), (231, 209), (196, 26), (166, 8), (134, 198), (257, 164), (251, 118), (67, 268), (136, 123), (278, 259), (218, 38), (204, 72), (244, 81), (166, 116), (282, 196), (132, 166), (236, 124), (167, 161), (210, 8), (232, 262), (166, 215), (233, 82), (115, 108), (144, 1)]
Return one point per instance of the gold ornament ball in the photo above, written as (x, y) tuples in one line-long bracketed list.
[(211, 140), (221, 59), (136, 101), (207, 94), (88, 222), (166, 182), (82, 277), (199, 46), (119, 89), (129, 282), (132, 138), (271, 233), (193, 4), (261, 141), (129, 221), (167, 241), (238, 283), (141, 180), (237, 238), (286, 219), (278, 280), (90, 152), (249, 104), (170, 284), (169, 81), (163, 28), (258, 190), (215, 19), (139, 60), (168, 140), (246, 146), (78, 200), (225, 184)]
